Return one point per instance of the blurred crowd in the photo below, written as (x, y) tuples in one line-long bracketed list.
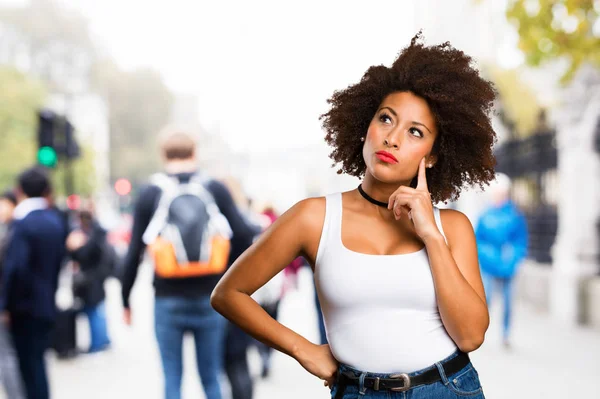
[(193, 227), (55, 263)]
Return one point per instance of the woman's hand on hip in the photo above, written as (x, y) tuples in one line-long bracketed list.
[(415, 203), (319, 361)]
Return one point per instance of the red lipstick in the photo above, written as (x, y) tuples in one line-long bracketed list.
[(386, 157)]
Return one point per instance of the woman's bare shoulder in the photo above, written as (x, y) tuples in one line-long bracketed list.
[(456, 225), (309, 212)]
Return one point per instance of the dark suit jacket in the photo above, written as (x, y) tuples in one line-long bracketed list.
[(31, 265)]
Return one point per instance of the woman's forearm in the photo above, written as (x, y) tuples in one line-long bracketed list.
[(463, 312), (245, 312)]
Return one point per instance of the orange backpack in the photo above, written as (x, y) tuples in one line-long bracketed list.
[(187, 236)]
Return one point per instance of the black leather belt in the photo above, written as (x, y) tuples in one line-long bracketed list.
[(402, 382)]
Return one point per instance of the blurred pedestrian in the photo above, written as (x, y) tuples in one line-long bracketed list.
[(398, 278), (502, 246), (291, 274), (8, 203), (10, 375), (193, 230), (94, 258), (269, 297), (30, 276), (237, 342)]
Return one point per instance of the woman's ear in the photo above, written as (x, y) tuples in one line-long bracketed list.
[(431, 161)]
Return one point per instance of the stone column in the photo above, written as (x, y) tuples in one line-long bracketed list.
[(576, 246)]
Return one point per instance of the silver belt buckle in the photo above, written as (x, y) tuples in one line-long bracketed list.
[(406, 380)]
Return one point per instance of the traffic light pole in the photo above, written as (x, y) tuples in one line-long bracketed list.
[(69, 185), (69, 138)]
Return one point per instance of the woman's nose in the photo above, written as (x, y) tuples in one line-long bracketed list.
[(393, 140)]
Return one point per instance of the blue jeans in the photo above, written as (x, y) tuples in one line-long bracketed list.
[(31, 337), (491, 282), (10, 375), (462, 384), (174, 316), (98, 332)]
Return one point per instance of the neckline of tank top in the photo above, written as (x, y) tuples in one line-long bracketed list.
[(418, 252), (345, 248)]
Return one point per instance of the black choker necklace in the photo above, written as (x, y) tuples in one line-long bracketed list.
[(371, 199)]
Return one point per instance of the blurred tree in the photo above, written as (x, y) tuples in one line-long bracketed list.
[(53, 43), (84, 174), (20, 99), (50, 42), (551, 29), (139, 106), (518, 103)]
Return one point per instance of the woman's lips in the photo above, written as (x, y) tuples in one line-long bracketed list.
[(386, 157)]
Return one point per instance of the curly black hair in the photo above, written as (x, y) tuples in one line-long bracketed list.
[(460, 100)]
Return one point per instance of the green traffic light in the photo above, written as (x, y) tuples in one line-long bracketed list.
[(47, 156)]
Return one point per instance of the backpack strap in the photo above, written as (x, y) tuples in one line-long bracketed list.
[(170, 189), (220, 224)]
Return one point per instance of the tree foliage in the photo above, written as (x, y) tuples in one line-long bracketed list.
[(60, 52), (518, 104), (139, 106), (551, 29), (83, 172), (20, 98), (56, 43)]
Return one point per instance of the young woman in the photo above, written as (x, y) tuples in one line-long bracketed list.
[(397, 278)]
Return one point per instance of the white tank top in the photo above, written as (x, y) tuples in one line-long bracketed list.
[(380, 311)]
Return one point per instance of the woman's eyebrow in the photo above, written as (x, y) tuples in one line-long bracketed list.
[(420, 124), (390, 109)]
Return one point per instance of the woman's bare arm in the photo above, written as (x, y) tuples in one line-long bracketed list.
[(458, 285), (295, 233)]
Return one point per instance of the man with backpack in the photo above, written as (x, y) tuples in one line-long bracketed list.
[(193, 231)]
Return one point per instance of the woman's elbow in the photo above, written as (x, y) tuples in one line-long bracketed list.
[(472, 343), (467, 346), (218, 299)]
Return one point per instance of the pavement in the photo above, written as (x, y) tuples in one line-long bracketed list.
[(546, 360)]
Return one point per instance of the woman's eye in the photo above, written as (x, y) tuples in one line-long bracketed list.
[(385, 118), (416, 132)]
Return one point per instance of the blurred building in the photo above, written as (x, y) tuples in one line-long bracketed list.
[(283, 178), (575, 282), (555, 169)]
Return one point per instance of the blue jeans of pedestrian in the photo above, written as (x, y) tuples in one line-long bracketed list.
[(490, 283), (31, 337), (98, 331), (173, 317), (10, 374), (462, 384)]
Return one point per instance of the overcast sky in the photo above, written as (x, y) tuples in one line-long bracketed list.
[(262, 70)]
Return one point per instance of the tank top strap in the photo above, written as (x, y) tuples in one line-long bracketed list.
[(331, 224), (335, 203), (438, 221)]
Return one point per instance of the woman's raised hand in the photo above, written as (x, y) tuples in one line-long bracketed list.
[(415, 203)]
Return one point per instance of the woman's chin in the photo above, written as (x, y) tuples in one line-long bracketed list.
[(385, 175)]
